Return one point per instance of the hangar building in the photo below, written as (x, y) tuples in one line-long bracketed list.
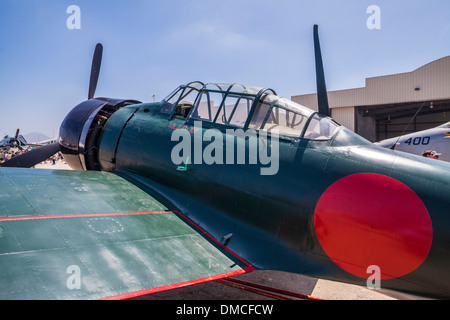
[(387, 104)]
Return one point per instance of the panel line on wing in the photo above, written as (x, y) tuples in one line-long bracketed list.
[(81, 215)]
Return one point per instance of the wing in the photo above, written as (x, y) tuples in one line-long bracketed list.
[(95, 235)]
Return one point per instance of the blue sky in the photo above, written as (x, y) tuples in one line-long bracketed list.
[(152, 46)]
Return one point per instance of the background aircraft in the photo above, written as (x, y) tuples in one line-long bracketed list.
[(434, 139), (18, 142), (48, 141), (15, 143), (128, 222)]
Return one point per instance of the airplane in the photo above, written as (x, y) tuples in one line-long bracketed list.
[(142, 213), (435, 140), (15, 143), (47, 141), (18, 142)]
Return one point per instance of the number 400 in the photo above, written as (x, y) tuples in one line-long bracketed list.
[(418, 141)]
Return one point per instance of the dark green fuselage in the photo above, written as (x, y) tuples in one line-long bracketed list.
[(269, 219)]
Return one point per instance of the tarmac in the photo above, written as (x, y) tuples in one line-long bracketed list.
[(311, 288), (290, 282)]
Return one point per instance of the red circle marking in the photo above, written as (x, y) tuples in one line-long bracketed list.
[(369, 219)]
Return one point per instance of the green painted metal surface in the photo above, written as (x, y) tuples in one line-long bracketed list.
[(92, 235), (55, 192), (111, 136)]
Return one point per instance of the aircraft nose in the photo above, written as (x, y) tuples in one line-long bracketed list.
[(70, 132), (81, 128)]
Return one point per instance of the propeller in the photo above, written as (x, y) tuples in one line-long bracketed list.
[(95, 70), (35, 156), (15, 142), (322, 96)]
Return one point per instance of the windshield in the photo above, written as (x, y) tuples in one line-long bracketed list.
[(181, 99)]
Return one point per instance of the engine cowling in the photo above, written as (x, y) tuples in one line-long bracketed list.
[(80, 131)]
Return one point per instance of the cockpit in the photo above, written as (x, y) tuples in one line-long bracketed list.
[(246, 107)]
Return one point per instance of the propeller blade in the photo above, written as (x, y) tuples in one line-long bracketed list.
[(95, 69), (14, 142), (33, 157), (320, 76)]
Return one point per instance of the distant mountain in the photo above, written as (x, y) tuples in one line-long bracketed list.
[(35, 137)]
